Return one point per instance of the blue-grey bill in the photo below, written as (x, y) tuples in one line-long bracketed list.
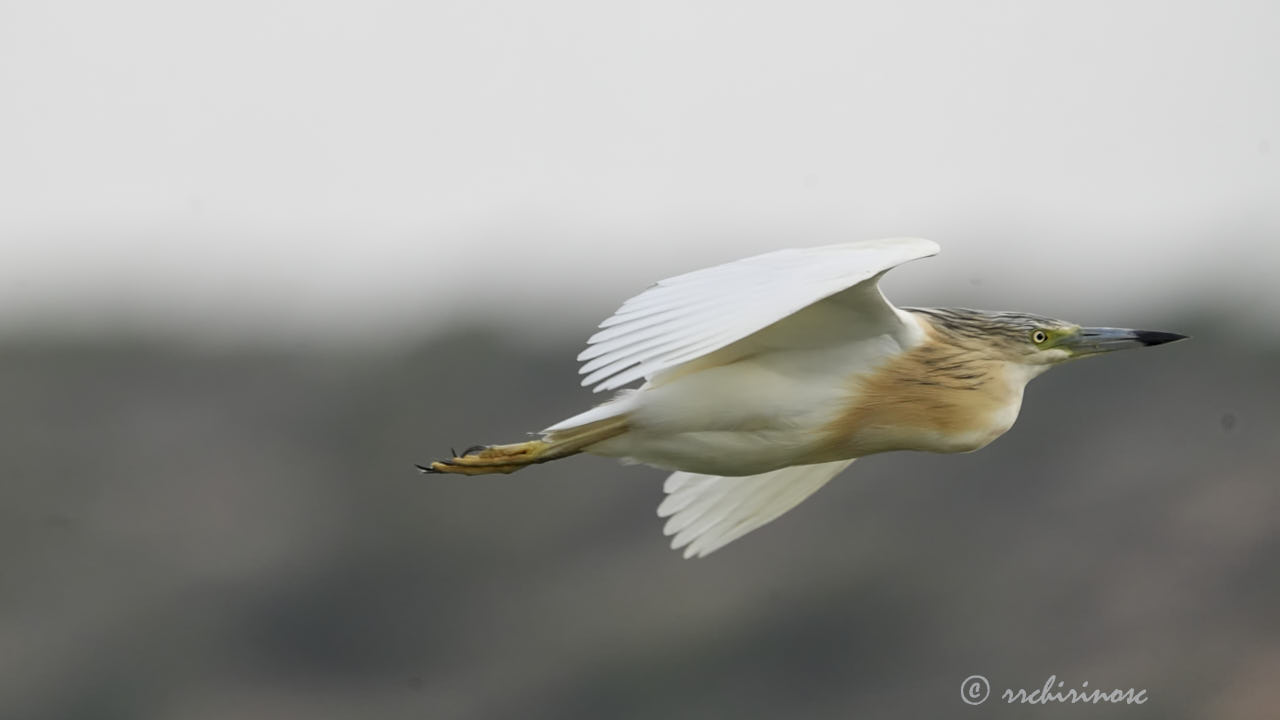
[(1089, 341)]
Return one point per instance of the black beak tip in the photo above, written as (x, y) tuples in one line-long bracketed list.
[(1153, 337)]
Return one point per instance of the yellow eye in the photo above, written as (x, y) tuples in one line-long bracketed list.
[(1038, 337)]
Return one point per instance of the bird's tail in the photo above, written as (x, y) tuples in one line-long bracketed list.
[(555, 444)]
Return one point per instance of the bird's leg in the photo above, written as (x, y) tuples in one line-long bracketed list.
[(483, 459)]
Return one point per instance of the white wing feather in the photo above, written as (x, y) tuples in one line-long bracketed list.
[(708, 512), (685, 317)]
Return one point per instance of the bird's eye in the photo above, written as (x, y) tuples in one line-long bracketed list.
[(1038, 337)]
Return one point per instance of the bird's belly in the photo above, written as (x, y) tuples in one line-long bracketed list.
[(754, 451), (887, 438), (712, 452)]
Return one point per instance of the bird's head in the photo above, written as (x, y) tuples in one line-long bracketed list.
[(1035, 340)]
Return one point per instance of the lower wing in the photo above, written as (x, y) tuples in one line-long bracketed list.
[(707, 512)]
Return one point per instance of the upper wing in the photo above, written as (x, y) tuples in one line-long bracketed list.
[(688, 316), (708, 512)]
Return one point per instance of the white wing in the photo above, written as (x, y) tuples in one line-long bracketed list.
[(688, 316), (708, 512)]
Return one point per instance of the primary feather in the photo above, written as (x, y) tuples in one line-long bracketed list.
[(708, 512), (688, 316)]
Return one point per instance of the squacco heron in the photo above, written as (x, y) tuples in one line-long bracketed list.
[(765, 377)]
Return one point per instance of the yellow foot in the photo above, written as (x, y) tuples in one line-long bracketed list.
[(482, 459)]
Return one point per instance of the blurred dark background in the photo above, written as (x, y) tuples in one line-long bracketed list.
[(242, 534), (258, 258)]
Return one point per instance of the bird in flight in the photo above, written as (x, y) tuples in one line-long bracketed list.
[(767, 376)]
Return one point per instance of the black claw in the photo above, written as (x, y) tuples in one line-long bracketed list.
[(427, 470), (453, 452), (473, 448)]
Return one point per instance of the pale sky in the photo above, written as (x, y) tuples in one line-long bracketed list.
[(346, 169)]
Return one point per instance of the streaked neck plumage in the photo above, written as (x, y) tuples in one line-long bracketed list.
[(954, 391)]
